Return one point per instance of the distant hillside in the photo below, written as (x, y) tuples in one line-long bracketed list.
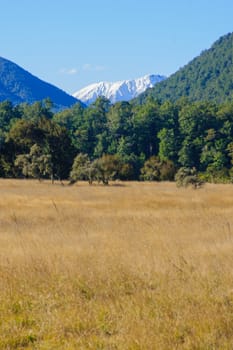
[(207, 77), (18, 85), (123, 90)]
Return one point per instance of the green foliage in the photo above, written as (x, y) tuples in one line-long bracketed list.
[(8, 114), (147, 121), (103, 169), (188, 177), (36, 110), (83, 169), (49, 136), (124, 141), (36, 164), (108, 168), (156, 169), (167, 145)]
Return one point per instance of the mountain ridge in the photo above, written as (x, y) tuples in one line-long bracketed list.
[(208, 76), (18, 86), (122, 90)]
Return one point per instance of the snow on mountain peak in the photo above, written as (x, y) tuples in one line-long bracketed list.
[(123, 90)]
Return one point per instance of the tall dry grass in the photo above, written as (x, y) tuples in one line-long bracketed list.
[(137, 266)]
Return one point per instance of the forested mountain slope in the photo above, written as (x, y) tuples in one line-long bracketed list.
[(207, 77)]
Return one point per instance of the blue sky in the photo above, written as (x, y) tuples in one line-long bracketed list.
[(72, 43)]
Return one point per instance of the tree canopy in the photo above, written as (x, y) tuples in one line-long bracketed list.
[(127, 141)]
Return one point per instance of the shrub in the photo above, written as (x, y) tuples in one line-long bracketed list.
[(83, 169), (155, 169), (188, 177)]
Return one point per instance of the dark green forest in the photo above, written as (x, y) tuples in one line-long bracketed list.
[(124, 141)]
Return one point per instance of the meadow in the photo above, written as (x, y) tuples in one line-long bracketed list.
[(130, 266)]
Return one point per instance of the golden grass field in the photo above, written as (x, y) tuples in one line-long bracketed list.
[(130, 266)]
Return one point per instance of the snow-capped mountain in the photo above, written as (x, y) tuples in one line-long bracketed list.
[(124, 90)]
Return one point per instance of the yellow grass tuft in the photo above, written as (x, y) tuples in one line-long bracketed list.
[(133, 266)]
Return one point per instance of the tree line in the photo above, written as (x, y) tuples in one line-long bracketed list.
[(102, 142)]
